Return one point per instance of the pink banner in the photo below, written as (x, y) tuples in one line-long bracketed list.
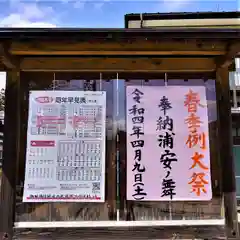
[(168, 144)]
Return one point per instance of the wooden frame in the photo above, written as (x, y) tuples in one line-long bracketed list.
[(124, 48), (100, 64), (178, 51), (11, 149)]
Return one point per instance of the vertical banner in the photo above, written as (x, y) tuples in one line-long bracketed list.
[(168, 155), (65, 157)]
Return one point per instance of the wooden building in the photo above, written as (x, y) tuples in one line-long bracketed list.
[(208, 20), (107, 59), (183, 20)]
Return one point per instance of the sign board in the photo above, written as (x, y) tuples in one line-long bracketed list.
[(168, 144), (65, 157)]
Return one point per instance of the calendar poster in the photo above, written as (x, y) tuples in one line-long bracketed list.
[(65, 157)]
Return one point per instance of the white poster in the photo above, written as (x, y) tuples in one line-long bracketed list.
[(65, 157), (168, 155)]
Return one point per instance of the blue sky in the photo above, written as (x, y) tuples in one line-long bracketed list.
[(98, 13)]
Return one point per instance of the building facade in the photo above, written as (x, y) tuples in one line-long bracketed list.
[(120, 58), (199, 20), (234, 78)]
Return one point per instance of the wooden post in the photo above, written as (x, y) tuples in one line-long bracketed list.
[(112, 166), (10, 154), (226, 152)]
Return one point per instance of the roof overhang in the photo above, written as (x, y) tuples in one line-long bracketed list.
[(183, 20), (16, 44), (116, 34)]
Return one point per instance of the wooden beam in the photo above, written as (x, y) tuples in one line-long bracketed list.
[(6, 59), (228, 180), (233, 51), (10, 155), (137, 47), (122, 53), (2, 67), (118, 64)]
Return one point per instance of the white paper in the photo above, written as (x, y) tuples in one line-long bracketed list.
[(65, 157), (189, 179)]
